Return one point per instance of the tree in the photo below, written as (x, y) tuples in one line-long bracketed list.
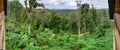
[(79, 16), (55, 22), (31, 4), (94, 16), (85, 8), (14, 9), (73, 22), (85, 18)]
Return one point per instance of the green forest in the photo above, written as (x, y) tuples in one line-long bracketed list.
[(32, 28)]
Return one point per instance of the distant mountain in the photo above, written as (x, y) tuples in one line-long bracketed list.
[(102, 9), (66, 11), (63, 10)]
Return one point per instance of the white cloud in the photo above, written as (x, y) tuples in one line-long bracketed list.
[(71, 4), (97, 3)]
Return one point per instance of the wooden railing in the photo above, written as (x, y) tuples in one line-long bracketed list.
[(2, 31), (2, 26), (117, 25), (117, 31)]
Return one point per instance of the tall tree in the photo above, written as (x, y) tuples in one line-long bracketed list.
[(14, 9), (94, 16), (79, 16), (85, 16), (31, 4)]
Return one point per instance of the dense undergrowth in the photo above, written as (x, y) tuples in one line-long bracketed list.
[(17, 38), (28, 28)]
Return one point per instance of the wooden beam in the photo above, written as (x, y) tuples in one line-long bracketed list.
[(1, 5), (117, 31), (117, 6)]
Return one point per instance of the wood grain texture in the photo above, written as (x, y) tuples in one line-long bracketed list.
[(117, 31), (1, 5), (2, 31), (2, 26), (117, 6)]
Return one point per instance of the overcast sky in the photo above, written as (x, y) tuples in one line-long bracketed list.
[(71, 4)]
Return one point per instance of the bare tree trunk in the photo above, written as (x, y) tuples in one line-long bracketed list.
[(96, 23), (29, 29), (78, 24), (29, 24), (102, 19), (79, 16)]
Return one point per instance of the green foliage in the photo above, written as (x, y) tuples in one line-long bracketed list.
[(85, 8), (16, 7), (47, 40), (57, 31)]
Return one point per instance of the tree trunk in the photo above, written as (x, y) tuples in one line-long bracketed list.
[(29, 29), (29, 24), (78, 28), (79, 16), (78, 23)]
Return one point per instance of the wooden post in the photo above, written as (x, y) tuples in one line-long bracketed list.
[(117, 31), (2, 26), (117, 25)]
